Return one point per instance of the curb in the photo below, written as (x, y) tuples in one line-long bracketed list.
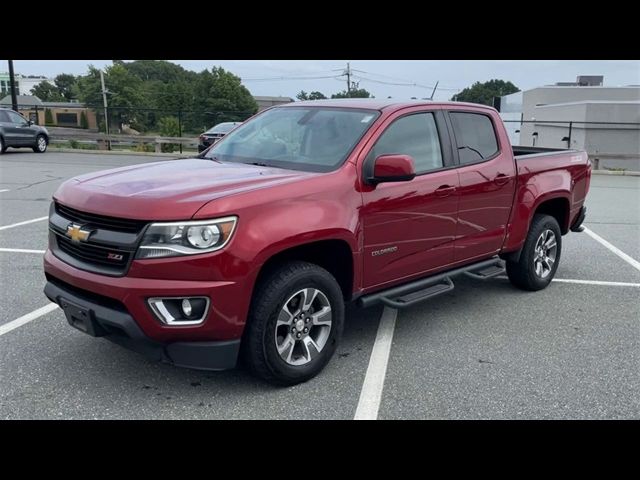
[(625, 173), (122, 152)]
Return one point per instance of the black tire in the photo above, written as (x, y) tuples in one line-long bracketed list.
[(3, 147), (37, 148), (259, 349), (522, 273)]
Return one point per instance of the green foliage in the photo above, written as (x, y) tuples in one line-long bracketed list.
[(48, 117), (144, 147), (483, 93), (201, 99), (47, 92), (84, 123), (74, 144), (67, 86), (310, 96), (354, 93), (169, 127)]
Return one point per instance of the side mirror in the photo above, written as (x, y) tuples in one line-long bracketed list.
[(30, 122), (393, 168)]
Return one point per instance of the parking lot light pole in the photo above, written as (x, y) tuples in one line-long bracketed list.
[(12, 83)]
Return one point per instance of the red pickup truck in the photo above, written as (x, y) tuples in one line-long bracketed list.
[(252, 249)]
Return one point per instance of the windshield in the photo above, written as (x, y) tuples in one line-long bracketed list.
[(222, 127), (312, 139)]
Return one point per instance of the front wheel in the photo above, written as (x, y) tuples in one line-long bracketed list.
[(540, 255), (295, 323), (41, 144), (3, 147)]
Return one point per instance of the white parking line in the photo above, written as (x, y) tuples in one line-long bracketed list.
[(371, 392), (21, 250), (18, 322), (631, 261), (4, 227), (586, 282), (4, 190), (597, 282)]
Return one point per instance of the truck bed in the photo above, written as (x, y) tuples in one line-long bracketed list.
[(523, 150)]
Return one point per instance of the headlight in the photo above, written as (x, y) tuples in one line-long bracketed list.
[(186, 238)]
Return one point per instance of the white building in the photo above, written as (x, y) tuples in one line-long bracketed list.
[(604, 121)]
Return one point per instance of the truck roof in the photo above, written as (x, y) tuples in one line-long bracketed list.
[(376, 104)]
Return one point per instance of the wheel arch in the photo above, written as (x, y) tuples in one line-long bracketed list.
[(333, 254)]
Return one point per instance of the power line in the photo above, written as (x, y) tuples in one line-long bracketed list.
[(288, 78), (404, 80)]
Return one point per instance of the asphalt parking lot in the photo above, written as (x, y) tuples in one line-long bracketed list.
[(483, 351)]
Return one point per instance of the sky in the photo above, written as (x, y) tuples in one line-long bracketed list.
[(380, 77)]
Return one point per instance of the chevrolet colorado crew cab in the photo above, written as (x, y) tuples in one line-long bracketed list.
[(252, 249)]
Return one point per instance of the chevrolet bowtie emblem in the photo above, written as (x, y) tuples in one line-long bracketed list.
[(77, 234)]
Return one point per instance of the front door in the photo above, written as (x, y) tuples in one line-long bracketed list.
[(19, 131), (409, 227)]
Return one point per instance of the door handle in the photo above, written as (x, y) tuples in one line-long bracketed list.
[(445, 190), (501, 179)]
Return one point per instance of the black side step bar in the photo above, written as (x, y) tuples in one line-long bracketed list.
[(419, 290), (486, 272)]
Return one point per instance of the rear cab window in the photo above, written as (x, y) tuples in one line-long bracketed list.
[(475, 137)]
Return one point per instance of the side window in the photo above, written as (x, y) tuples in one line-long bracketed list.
[(475, 136), (15, 118), (415, 135), (3, 116)]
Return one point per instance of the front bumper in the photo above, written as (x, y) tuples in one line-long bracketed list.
[(109, 319)]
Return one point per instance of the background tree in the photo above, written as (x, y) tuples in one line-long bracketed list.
[(67, 86), (310, 96), (126, 95), (144, 91), (169, 127), (47, 92), (354, 93), (484, 92)]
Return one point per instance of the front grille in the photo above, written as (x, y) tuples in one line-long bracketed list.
[(94, 254), (100, 221)]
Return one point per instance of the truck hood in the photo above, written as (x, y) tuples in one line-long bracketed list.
[(171, 190)]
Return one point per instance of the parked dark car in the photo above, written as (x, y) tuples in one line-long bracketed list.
[(214, 134), (17, 131)]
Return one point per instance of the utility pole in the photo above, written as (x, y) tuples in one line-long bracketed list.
[(12, 83), (106, 114), (434, 90), (348, 74)]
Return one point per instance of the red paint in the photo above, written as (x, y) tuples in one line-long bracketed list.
[(437, 220), (390, 167)]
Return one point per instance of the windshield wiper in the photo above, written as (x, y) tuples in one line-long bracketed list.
[(258, 164)]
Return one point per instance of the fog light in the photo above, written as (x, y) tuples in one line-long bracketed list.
[(186, 307), (180, 310)]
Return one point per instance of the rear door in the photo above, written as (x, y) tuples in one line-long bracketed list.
[(409, 227), (487, 183)]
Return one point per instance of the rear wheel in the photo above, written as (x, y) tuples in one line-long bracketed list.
[(540, 255), (41, 144), (294, 325)]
